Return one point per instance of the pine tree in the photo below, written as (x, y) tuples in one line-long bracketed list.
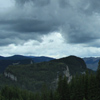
[(98, 81), (79, 88), (51, 97), (44, 92), (65, 89), (92, 88), (72, 88), (37, 96), (84, 99), (59, 87), (86, 84)]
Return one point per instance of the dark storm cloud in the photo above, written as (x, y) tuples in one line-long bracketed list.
[(29, 25), (77, 20), (19, 31), (81, 32)]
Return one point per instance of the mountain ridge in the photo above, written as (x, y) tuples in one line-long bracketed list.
[(20, 59), (24, 76), (92, 62)]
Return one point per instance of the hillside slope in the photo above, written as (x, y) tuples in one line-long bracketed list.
[(20, 59), (76, 64), (41, 59), (33, 76)]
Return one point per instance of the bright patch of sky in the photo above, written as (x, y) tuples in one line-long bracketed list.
[(6, 5), (52, 45)]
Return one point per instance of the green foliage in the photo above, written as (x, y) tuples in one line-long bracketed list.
[(84, 99), (34, 77), (82, 87), (63, 88)]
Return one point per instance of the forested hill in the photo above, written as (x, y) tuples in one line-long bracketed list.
[(76, 64), (32, 76), (20, 59)]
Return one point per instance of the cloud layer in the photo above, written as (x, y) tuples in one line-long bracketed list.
[(78, 21)]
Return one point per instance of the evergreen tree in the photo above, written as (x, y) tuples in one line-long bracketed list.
[(79, 89), (98, 81), (85, 82), (37, 96), (59, 87), (92, 88), (72, 88), (44, 92), (84, 99), (65, 89), (51, 96)]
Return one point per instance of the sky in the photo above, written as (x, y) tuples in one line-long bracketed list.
[(54, 28)]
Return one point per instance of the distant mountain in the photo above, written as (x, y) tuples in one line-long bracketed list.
[(33, 76), (13, 60), (15, 57), (36, 59), (5, 63), (92, 62), (20, 59), (41, 59), (1, 57)]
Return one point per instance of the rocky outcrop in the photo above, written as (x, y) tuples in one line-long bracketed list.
[(10, 75), (31, 62), (67, 74), (16, 63)]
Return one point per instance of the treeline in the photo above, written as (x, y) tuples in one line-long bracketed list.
[(81, 87)]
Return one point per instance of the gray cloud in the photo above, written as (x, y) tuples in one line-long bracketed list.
[(93, 6), (34, 2), (77, 20), (25, 29), (81, 32), (29, 25), (64, 3)]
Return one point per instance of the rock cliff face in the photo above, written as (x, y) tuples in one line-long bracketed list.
[(67, 74), (11, 76)]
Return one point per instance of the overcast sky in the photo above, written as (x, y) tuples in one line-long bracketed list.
[(55, 28)]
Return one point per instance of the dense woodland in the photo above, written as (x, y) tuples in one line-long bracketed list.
[(81, 87), (32, 76)]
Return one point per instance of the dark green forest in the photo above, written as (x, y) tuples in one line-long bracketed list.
[(81, 87), (33, 76)]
